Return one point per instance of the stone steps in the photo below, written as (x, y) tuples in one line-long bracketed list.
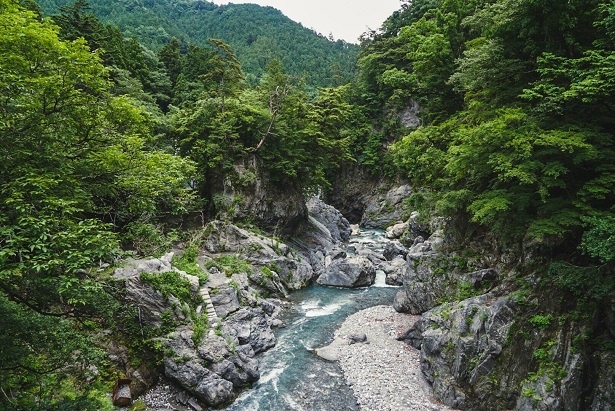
[(212, 317)]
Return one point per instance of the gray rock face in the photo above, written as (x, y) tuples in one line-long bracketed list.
[(416, 229), (250, 326), (250, 194), (459, 345), (351, 272), (481, 277), (575, 380), (429, 277), (212, 371), (331, 218), (320, 238), (225, 300), (292, 269), (220, 365), (424, 286), (394, 249), (201, 382), (475, 358), (604, 393), (384, 210), (152, 304), (409, 116), (394, 270), (352, 190)]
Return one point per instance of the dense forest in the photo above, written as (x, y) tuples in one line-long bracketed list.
[(117, 137), (517, 129), (256, 34)]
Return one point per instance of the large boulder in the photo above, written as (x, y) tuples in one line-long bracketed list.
[(250, 326), (350, 272), (207, 386), (417, 228), (393, 270), (409, 116), (338, 227), (321, 236), (211, 371), (396, 230)]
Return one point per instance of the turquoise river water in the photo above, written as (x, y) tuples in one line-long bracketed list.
[(293, 377)]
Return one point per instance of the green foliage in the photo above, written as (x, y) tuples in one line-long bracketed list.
[(229, 264), (172, 283), (257, 34), (541, 321), (77, 167), (267, 273), (589, 284), (297, 139), (516, 136), (188, 262), (148, 239), (33, 349), (598, 241), (138, 405), (465, 290), (505, 169)]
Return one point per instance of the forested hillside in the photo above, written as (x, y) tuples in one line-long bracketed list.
[(515, 149), (256, 34), (516, 108)]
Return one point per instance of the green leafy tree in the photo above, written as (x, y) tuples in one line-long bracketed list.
[(75, 169)]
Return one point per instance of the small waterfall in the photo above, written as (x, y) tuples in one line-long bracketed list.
[(293, 377)]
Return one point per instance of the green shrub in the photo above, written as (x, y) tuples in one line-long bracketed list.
[(172, 283), (230, 264), (199, 328), (188, 262), (541, 321), (148, 239)]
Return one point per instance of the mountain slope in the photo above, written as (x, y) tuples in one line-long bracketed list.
[(256, 34)]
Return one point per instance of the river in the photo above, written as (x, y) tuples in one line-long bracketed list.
[(293, 377)]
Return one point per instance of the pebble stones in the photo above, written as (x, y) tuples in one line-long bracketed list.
[(167, 397), (384, 374)]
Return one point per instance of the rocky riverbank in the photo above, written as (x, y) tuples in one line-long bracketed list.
[(383, 372)]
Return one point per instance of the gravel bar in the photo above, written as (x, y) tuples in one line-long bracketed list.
[(384, 373)]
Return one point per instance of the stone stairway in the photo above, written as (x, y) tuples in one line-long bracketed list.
[(212, 317)]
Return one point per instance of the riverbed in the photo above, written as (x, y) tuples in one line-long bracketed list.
[(293, 377)]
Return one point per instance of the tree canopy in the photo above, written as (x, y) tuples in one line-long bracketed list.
[(256, 34), (75, 170)]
